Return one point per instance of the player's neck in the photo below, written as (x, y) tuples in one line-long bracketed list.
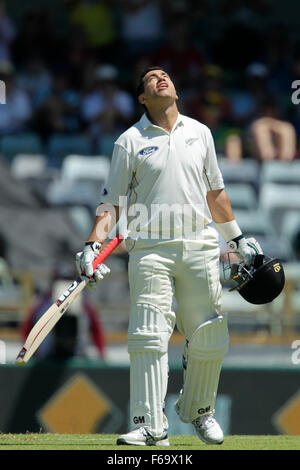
[(164, 117)]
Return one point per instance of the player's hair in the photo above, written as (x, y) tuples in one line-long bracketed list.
[(140, 87)]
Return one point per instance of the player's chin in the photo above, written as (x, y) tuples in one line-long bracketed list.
[(165, 93)]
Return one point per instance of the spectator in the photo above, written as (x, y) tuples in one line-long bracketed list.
[(59, 111), (97, 21), (35, 79), (212, 107), (16, 113), (105, 108), (273, 137), (210, 86), (227, 139)]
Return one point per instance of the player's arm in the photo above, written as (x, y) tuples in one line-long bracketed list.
[(105, 220), (222, 214), (220, 206)]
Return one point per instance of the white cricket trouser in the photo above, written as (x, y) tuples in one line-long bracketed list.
[(187, 270)]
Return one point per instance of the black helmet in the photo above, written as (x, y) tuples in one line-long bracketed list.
[(262, 282)]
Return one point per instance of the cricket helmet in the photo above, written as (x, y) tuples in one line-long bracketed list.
[(260, 283)]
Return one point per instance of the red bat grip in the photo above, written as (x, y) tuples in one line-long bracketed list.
[(107, 251)]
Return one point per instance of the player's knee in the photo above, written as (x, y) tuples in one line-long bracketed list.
[(210, 339), (148, 329)]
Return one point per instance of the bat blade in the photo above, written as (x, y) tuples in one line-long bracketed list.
[(48, 320)]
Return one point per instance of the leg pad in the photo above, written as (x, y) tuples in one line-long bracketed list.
[(204, 358)]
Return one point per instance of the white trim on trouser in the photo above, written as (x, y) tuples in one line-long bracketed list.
[(205, 353), (148, 337)]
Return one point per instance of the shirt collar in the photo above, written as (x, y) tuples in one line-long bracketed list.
[(146, 123)]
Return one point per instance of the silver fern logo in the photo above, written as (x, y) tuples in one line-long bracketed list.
[(191, 140)]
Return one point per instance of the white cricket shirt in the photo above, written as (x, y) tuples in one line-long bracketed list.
[(163, 178)]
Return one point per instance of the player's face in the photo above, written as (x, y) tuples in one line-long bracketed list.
[(157, 85)]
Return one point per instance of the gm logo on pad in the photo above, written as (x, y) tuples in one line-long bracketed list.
[(148, 151)]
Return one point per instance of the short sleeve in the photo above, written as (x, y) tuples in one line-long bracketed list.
[(119, 178), (211, 173)]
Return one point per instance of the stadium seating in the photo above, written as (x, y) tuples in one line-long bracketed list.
[(80, 183), (25, 166), (33, 170), (12, 145), (290, 227), (89, 168), (74, 193), (59, 146), (276, 199), (280, 172), (244, 171), (256, 223)]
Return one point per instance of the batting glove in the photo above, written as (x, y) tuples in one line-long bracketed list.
[(246, 249), (84, 263)]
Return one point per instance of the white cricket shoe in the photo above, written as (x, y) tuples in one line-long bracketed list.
[(141, 437), (208, 429)]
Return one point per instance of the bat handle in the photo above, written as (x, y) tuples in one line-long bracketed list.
[(107, 250)]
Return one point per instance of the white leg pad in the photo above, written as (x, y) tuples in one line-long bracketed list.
[(148, 337), (204, 357), (146, 391)]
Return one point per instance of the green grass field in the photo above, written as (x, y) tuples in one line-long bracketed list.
[(108, 442)]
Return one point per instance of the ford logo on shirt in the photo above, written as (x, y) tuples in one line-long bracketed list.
[(148, 151)]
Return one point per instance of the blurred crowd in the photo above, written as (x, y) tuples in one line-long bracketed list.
[(232, 66), (70, 68)]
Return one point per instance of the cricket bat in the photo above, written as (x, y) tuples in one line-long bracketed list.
[(49, 319)]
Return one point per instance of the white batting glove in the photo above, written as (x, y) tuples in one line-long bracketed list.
[(84, 263), (246, 249), (99, 274)]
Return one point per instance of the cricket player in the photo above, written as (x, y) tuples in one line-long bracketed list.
[(164, 172)]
